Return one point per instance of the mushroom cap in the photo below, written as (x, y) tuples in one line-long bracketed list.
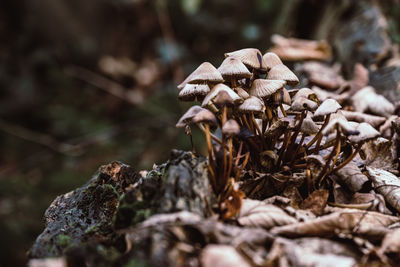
[(252, 104), (303, 103), (230, 128), (271, 59), (192, 92), (186, 118), (216, 89), (329, 106), (264, 88), (233, 67), (309, 127), (241, 92), (366, 133), (223, 99), (344, 126), (205, 116), (251, 57), (304, 92), (282, 96), (281, 72), (206, 72)]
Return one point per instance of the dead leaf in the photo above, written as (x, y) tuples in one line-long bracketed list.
[(232, 203), (351, 176), (221, 256), (316, 201), (368, 223), (256, 213), (391, 242), (380, 153), (310, 252), (386, 184), (367, 100), (49, 262)]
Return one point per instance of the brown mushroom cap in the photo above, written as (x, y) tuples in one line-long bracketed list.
[(186, 118), (303, 103), (223, 99), (206, 72), (214, 92), (282, 96), (241, 92), (281, 72), (205, 116), (193, 92), (230, 128), (233, 67), (271, 59), (367, 132), (329, 106), (308, 126), (252, 104), (251, 57), (344, 126), (264, 88)]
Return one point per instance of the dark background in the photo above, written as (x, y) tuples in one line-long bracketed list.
[(84, 83)]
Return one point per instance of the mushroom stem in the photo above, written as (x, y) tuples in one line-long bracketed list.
[(319, 132), (188, 132), (324, 171), (299, 166), (238, 156), (255, 124), (282, 109), (296, 132), (233, 82), (309, 181), (210, 157), (283, 148), (303, 136), (216, 139), (246, 122), (344, 163), (230, 161), (246, 159), (336, 156), (318, 144)]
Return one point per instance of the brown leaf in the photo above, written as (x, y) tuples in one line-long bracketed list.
[(369, 223), (221, 256), (259, 214), (316, 201), (351, 176), (391, 242), (367, 100), (386, 184), (232, 203), (380, 153)]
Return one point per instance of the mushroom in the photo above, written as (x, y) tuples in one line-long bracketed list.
[(341, 126), (327, 107), (233, 69), (282, 97), (230, 129), (251, 57), (281, 72), (366, 133), (193, 92), (214, 92), (252, 105), (205, 73), (271, 59)]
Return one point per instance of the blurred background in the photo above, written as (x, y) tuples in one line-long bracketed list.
[(84, 83)]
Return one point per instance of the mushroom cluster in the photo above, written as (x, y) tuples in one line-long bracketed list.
[(254, 119)]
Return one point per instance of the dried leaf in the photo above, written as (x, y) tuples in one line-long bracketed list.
[(369, 223), (379, 153), (386, 184), (221, 256), (259, 214), (367, 100), (232, 203), (316, 201), (391, 242), (49, 262), (311, 252), (351, 176)]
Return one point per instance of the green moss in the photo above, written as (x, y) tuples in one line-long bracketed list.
[(63, 240)]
